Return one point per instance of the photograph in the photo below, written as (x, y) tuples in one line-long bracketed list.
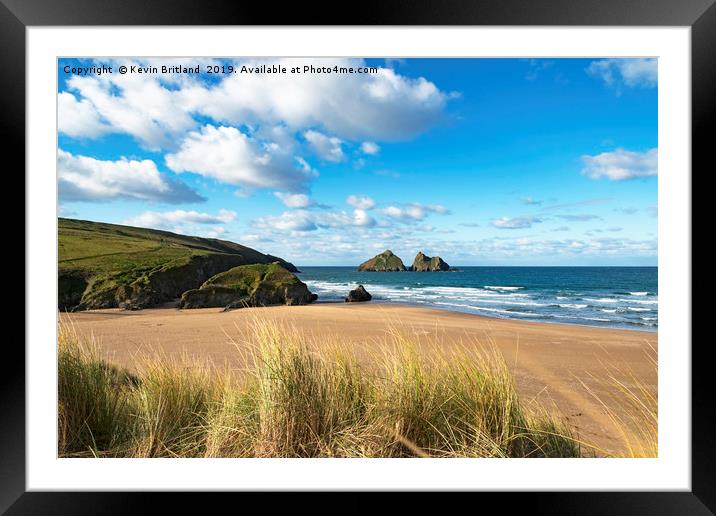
[(357, 257)]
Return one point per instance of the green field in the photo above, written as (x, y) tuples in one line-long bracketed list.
[(108, 265)]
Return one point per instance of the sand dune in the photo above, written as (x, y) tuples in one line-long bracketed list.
[(564, 364)]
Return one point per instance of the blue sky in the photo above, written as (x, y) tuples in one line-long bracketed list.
[(482, 161)]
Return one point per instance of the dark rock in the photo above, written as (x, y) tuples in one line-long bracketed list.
[(249, 285), (384, 262), (358, 294), (423, 263)]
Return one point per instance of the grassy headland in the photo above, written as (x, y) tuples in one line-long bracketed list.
[(108, 265)]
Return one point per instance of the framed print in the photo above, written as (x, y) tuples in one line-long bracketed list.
[(438, 249)]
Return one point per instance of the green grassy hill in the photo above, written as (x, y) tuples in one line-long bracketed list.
[(108, 265)]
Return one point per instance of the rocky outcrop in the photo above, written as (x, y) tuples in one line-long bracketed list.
[(384, 262), (249, 285), (358, 295), (423, 263)]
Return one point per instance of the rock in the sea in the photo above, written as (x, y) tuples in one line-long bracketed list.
[(358, 294), (249, 285), (384, 262), (423, 263)]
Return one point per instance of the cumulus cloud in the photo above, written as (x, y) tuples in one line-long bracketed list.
[(82, 178), (230, 156), (294, 200), (79, 118), (157, 109), (383, 105), (362, 219), (363, 203), (370, 148), (640, 72), (413, 211), (164, 218), (184, 222), (515, 222), (135, 104), (621, 165), (295, 220), (328, 148), (301, 220)]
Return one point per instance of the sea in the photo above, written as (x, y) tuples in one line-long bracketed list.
[(616, 297)]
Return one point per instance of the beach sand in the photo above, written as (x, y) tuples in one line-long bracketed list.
[(557, 365)]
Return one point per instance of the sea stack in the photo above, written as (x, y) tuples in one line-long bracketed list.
[(423, 263), (384, 262)]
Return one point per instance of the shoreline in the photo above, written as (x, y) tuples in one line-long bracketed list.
[(569, 367), (471, 314)]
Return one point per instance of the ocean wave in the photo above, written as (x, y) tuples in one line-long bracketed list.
[(622, 309)]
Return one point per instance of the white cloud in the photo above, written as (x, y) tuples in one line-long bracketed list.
[(301, 220), (167, 218), (82, 178), (579, 217), (515, 222), (328, 148), (79, 118), (370, 148), (296, 220), (135, 104), (362, 219), (639, 72), (159, 109), (620, 165), (230, 156), (384, 105), (294, 200), (184, 222), (413, 211), (530, 201), (363, 203)]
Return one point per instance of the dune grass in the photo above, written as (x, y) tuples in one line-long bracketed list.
[(299, 401)]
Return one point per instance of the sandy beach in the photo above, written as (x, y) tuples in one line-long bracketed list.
[(558, 365)]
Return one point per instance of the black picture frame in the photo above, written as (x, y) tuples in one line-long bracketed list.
[(699, 15)]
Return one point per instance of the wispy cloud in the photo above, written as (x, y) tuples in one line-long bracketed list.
[(632, 73), (515, 222), (530, 201), (579, 217)]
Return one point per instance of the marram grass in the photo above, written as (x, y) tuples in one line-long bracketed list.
[(299, 400)]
